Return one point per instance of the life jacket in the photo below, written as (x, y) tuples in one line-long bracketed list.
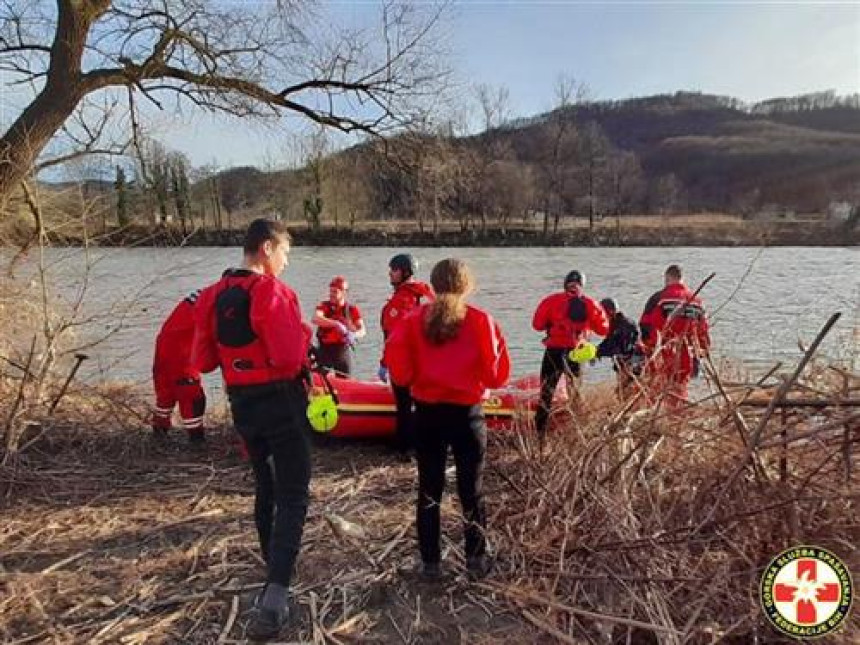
[(343, 314), (250, 325), (568, 318), (674, 312), (240, 351), (675, 320), (406, 297)]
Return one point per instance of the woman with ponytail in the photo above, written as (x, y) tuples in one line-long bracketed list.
[(449, 353)]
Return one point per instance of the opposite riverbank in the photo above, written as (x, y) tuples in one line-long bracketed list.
[(700, 231)]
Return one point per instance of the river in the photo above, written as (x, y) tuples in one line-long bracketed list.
[(762, 301)]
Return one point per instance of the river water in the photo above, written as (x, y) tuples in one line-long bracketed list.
[(762, 301)]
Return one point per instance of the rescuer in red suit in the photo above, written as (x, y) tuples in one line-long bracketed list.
[(250, 325), (566, 318), (174, 378), (339, 325), (675, 334), (408, 295), (450, 353)]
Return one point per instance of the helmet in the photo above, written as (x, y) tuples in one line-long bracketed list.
[(574, 276), (404, 262), (609, 305), (339, 282), (322, 413)]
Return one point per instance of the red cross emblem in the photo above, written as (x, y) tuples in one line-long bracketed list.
[(807, 591)]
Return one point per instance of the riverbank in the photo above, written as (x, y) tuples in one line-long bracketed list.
[(611, 534), (695, 231)]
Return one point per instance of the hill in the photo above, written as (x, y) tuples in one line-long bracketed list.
[(795, 159)]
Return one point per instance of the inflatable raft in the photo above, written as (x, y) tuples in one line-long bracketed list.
[(367, 409)]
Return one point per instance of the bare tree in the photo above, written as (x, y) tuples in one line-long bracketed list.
[(495, 105), (243, 59), (495, 109), (594, 152), (559, 151)]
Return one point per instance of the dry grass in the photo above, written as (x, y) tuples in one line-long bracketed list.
[(626, 528)]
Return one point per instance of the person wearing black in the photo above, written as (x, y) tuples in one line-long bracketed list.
[(449, 353), (250, 325), (622, 346)]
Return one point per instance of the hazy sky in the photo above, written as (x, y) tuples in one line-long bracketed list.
[(748, 50), (619, 50)]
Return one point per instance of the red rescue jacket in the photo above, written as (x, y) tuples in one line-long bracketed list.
[(343, 314), (676, 321), (565, 324), (459, 370), (250, 325), (174, 340), (406, 297)]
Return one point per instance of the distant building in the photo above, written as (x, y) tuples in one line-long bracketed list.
[(840, 211)]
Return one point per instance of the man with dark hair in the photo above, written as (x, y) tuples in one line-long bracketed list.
[(250, 325), (674, 333), (408, 295), (566, 318), (673, 272)]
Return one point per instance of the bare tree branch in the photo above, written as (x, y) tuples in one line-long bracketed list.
[(260, 61)]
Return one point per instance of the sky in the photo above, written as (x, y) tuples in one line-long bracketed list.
[(748, 50)]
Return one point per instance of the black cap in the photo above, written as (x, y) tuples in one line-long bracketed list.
[(574, 276), (404, 262), (609, 305)]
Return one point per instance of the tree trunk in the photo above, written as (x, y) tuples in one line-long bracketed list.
[(435, 214), (30, 133)]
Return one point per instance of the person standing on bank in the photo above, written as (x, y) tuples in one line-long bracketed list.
[(250, 325), (409, 294), (622, 346), (566, 318), (174, 378), (449, 353), (339, 325), (675, 333)]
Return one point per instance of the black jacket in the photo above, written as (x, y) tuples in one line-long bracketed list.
[(621, 339)]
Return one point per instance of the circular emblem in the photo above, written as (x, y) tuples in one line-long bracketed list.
[(806, 592), (392, 312)]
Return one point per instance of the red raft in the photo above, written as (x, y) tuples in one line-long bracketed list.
[(366, 408)]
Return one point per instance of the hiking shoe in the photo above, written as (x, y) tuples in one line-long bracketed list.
[(159, 432), (266, 623), (478, 566), (250, 600), (197, 436)]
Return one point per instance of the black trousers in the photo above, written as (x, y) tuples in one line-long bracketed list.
[(556, 362), (405, 419), (336, 357), (462, 427), (271, 419)]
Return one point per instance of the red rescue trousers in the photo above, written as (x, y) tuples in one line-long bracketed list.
[(172, 387)]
